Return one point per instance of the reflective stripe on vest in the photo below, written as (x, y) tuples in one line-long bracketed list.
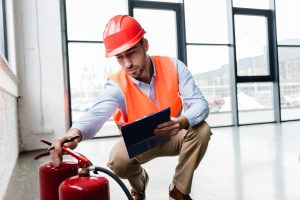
[(139, 104)]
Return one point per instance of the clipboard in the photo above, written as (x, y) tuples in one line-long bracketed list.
[(139, 135)]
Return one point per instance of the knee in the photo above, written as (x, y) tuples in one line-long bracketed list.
[(202, 131), (118, 165), (117, 168)]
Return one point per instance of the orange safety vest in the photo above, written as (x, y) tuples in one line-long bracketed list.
[(139, 104)]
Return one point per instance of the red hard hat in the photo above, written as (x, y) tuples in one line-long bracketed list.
[(121, 33)]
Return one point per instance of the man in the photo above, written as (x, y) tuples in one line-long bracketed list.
[(145, 85)]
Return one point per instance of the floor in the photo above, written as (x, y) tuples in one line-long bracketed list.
[(257, 162)]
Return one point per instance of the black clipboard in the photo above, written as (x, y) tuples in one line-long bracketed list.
[(139, 135)]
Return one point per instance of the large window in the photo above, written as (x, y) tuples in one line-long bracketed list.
[(88, 67), (208, 49), (244, 58), (255, 66)]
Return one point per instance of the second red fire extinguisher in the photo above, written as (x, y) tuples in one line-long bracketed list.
[(62, 183)]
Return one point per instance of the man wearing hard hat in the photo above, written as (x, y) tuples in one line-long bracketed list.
[(144, 85)]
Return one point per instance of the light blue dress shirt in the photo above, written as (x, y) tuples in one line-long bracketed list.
[(195, 105)]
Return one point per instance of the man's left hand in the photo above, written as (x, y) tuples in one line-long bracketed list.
[(172, 127)]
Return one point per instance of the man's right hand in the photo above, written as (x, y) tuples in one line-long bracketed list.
[(56, 153)]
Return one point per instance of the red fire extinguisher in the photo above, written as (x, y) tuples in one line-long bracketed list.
[(74, 181), (50, 178)]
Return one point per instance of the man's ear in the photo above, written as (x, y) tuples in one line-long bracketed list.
[(145, 44)]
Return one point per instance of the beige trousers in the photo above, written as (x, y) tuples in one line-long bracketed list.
[(189, 144)]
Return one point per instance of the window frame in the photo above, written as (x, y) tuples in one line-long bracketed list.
[(3, 18), (273, 59), (271, 45)]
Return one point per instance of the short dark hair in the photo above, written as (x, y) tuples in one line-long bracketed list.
[(142, 41)]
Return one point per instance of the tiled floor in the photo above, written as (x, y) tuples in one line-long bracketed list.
[(257, 162)]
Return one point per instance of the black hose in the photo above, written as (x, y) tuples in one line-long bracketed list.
[(116, 179)]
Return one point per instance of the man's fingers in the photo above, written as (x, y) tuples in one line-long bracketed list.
[(71, 145), (55, 158), (69, 140), (56, 153), (171, 127), (168, 129), (166, 124), (173, 133)]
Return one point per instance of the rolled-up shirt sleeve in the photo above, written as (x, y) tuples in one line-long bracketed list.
[(196, 107), (92, 121)]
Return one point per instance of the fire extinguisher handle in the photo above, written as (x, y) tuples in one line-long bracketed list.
[(71, 139), (82, 160), (116, 178)]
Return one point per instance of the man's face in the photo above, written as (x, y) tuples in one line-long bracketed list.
[(133, 61)]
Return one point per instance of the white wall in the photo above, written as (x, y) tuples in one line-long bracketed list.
[(9, 145), (40, 71), (31, 81), (35, 57), (9, 138)]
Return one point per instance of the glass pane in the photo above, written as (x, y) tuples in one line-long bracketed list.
[(170, 1), (206, 21), (88, 72), (86, 19), (255, 102), (289, 72), (251, 45), (213, 78), (288, 11), (161, 32), (259, 4), (2, 39)]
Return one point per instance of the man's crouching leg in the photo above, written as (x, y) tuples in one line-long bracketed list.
[(193, 148), (126, 168)]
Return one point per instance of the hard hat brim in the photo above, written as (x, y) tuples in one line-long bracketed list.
[(127, 45)]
